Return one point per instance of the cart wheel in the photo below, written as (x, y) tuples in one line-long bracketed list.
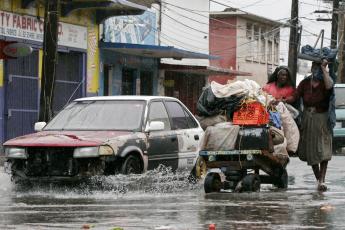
[(282, 181), (251, 183), (212, 183)]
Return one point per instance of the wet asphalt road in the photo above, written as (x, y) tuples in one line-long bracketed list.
[(165, 200)]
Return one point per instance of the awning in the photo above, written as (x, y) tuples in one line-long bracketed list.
[(153, 51), (204, 70), (103, 8)]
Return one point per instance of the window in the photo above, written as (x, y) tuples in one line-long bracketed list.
[(276, 47), (270, 49), (177, 115), (191, 121), (157, 112), (256, 42), (249, 31), (263, 46), (249, 36), (99, 115)]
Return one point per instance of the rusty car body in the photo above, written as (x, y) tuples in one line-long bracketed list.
[(105, 136)]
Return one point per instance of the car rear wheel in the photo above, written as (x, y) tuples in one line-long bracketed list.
[(131, 165)]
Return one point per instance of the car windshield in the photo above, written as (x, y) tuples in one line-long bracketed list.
[(339, 97), (99, 115)]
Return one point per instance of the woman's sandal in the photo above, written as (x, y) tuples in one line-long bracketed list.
[(322, 187)]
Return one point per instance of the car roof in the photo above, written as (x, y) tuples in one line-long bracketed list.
[(129, 97)]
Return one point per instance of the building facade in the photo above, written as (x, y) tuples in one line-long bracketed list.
[(77, 69), (124, 72), (246, 42), (161, 52), (164, 51)]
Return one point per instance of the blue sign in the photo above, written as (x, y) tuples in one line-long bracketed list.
[(140, 29)]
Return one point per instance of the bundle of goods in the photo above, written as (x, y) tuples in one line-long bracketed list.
[(227, 110), (242, 102), (246, 133)]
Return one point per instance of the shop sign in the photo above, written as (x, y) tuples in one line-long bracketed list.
[(169, 83), (138, 29), (31, 28), (17, 50)]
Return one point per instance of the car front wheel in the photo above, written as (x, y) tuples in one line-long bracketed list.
[(131, 165)]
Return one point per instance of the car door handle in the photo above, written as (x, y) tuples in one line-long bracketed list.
[(196, 137)]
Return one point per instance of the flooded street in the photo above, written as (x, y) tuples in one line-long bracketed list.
[(164, 200)]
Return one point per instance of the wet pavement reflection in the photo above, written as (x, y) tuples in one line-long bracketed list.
[(164, 200)]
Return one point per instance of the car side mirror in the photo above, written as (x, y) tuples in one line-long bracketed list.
[(39, 126), (154, 126)]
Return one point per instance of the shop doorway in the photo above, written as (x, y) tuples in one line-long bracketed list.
[(146, 83), (186, 87), (107, 71), (128, 81)]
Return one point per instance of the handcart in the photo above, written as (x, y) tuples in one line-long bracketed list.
[(246, 167)]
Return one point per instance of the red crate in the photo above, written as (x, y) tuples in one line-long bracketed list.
[(251, 114)]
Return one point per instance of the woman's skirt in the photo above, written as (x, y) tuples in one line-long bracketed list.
[(316, 138)]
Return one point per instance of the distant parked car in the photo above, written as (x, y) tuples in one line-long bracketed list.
[(339, 129), (105, 136)]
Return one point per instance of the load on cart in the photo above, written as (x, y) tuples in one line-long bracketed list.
[(247, 137)]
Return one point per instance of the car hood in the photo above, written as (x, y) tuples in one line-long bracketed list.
[(65, 138)]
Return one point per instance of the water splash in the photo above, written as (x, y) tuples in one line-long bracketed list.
[(162, 180)]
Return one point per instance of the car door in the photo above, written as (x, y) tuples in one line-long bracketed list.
[(163, 145), (189, 133)]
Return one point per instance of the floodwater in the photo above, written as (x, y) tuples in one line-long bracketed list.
[(161, 200)]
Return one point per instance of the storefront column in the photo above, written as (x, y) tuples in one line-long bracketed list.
[(116, 80), (160, 88), (137, 82), (2, 102), (155, 82)]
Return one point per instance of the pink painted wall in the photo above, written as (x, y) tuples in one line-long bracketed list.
[(223, 44)]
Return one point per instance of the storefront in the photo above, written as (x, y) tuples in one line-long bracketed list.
[(186, 82), (128, 74), (20, 77), (124, 72)]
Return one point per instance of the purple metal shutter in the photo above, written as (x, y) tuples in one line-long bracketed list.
[(21, 100), (69, 79)]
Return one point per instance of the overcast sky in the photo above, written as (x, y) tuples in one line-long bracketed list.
[(281, 10)]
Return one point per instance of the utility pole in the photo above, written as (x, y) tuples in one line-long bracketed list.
[(341, 74), (293, 41), (334, 33), (50, 40)]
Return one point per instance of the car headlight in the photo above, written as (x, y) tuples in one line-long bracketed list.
[(16, 153), (85, 152), (105, 150)]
